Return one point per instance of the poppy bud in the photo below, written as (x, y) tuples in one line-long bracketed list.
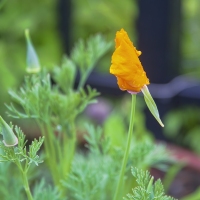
[(9, 138), (126, 65), (129, 71), (33, 64)]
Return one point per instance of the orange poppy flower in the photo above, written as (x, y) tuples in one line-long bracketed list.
[(126, 65)]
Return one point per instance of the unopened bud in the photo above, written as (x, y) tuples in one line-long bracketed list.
[(33, 64), (9, 138)]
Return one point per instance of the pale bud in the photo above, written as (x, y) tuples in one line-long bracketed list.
[(33, 64), (9, 138)]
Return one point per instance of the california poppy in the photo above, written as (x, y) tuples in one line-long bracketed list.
[(126, 65)]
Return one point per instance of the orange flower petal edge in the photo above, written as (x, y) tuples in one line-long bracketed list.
[(126, 65)]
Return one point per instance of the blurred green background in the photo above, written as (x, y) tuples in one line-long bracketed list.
[(41, 17), (87, 18)]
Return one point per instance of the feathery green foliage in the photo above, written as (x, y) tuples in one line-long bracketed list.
[(21, 157), (11, 183), (43, 192), (86, 55), (146, 189), (94, 174), (20, 153), (50, 98)]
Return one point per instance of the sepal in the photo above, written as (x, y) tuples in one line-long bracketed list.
[(151, 104)]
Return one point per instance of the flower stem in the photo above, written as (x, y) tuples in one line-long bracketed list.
[(26, 186), (25, 178), (125, 158)]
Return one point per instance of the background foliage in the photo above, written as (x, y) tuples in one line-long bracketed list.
[(15, 17), (88, 17)]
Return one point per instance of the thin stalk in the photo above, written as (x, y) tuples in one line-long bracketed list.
[(43, 132), (51, 141), (25, 179), (53, 154), (125, 158), (84, 76), (50, 150), (26, 186), (69, 145)]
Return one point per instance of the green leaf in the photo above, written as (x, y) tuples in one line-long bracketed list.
[(33, 150), (64, 75), (86, 54), (151, 104), (142, 177)]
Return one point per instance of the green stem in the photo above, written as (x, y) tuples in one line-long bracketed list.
[(26, 186), (49, 146), (125, 159), (25, 179), (84, 76), (53, 152), (68, 146)]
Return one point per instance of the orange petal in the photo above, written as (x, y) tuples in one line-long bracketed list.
[(126, 65)]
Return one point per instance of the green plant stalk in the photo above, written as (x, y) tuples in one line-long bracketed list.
[(66, 156), (125, 158), (25, 179), (69, 145), (52, 160), (84, 76), (59, 151), (50, 150), (26, 186)]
